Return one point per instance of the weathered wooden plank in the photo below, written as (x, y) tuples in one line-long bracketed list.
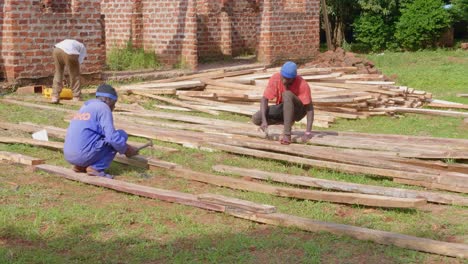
[(151, 85), (121, 186), (33, 142), (452, 106), (418, 178), (346, 198), (434, 197), (429, 112), (236, 86), (237, 203), (176, 102), (381, 237), (20, 158)]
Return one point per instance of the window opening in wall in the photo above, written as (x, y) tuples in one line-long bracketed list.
[(57, 6)]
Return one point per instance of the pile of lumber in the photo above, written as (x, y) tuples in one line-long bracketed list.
[(410, 160), (337, 93)]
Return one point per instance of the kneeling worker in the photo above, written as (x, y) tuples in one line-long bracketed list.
[(92, 141)]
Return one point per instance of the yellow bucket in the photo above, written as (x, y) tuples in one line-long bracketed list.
[(65, 94)]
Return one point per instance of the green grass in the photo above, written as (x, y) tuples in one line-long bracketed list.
[(52, 220), (442, 72), (130, 58)]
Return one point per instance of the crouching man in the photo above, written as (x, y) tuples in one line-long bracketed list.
[(92, 141), (293, 102)]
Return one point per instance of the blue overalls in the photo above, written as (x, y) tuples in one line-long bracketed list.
[(91, 137)]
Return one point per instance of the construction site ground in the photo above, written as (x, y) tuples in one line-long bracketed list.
[(45, 218)]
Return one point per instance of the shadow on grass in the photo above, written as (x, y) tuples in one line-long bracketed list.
[(265, 245)]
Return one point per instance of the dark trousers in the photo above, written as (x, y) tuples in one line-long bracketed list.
[(62, 59), (290, 110)]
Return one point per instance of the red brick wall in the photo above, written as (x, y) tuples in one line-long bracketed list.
[(167, 27), (227, 27), (31, 27), (289, 30), (274, 29), (2, 65)]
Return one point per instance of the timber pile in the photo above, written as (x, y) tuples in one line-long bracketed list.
[(338, 92), (405, 159)]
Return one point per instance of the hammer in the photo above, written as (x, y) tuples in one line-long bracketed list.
[(149, 144)]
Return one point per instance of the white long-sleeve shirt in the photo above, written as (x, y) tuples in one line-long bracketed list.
[(73, 47)]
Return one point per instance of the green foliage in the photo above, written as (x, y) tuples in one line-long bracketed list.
[(383, 7), (421, 23), (459, 10), (131, 58), (372, 30)]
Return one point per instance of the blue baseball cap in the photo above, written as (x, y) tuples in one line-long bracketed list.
[(289, 70)]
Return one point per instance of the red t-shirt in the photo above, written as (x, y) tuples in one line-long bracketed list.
[(299, 87)]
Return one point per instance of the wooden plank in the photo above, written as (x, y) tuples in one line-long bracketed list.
[(19, 158), (452, 106), (203, 94), (462, 95), (33, 142), (235, 86), (121, 186), (151, 85), (136, 161), (434, 197), (336, 197), (37, 106), (176, 102), (418, 178), (381, 237), (160, 91), (432, 185), (237, 203), (430, 112)]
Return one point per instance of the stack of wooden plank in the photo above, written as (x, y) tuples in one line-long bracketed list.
[(336, 92)]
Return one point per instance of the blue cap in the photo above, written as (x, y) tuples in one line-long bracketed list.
[(289, 70)]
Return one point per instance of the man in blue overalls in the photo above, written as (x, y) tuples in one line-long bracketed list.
[(92, 141)]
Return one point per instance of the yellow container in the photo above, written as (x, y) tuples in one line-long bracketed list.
[(65, 94)]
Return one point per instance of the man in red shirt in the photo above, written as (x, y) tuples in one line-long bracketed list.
[(293, 102)]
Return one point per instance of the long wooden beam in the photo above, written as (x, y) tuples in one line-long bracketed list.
[(278, 219), (421, 178), (381, 237), (434, 197), (336, 197)]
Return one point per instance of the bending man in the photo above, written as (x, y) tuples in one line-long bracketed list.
[(293, 102), (70, 53), (92, 141)]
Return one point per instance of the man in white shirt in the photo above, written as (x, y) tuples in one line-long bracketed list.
[(70, 53)]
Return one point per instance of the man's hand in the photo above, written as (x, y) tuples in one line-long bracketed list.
[(264, 127), (307, 136), (131, 151)]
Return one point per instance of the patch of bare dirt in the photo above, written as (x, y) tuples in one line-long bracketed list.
[(341, 58)]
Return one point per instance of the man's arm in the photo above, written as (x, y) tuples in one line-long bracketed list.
[(263, 110), (310, 117), (116, 139)]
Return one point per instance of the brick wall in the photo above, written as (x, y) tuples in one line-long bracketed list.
[(227, 27), (289, 30), (30, 28), (2, 65), (275, 29), (167, 27)]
